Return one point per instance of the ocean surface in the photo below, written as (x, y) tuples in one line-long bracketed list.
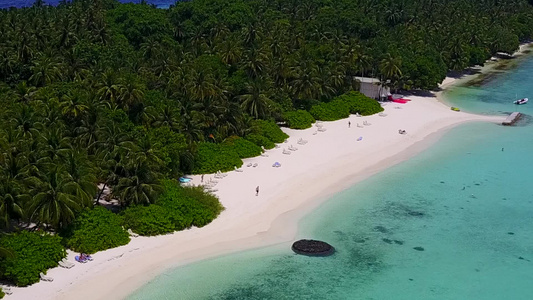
[(465, 204), (27, 3)]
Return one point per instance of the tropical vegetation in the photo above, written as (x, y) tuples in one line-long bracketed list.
[(99, 96)]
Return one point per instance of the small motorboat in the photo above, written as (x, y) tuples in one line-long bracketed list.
[(521, 101), (455, 108)]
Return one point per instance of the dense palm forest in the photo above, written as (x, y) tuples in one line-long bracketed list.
[(127, 95)]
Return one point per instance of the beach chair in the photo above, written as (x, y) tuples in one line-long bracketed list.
[(286, 151), (6, 290), (255, 165), (237, 170), (382, 114), (131, 233), (292, 148), (64, 265), (322, 129), (277, 146), (45, 278), (264, 155), (314, 133), (68, 263), (249, 165), (357, 114), (359, 125)]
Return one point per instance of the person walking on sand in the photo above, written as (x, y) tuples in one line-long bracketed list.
[(349, 124), (202, 180), (257, 191)]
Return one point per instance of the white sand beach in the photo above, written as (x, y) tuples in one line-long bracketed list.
[(331, 161)]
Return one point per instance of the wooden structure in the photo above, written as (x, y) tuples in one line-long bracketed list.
[(372, 88), (512, 118)]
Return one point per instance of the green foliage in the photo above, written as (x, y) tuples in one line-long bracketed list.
[(168, 146), (213, 157), (176, 209), (96, 230), (330, 111), (359, 103), (299, 119), (192, 205), (270, 130), (260, 140), (244, 148), (148, 220), (1, 293), (34, 252)]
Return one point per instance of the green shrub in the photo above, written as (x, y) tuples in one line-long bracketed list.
[(260, 140), (359, 103), (96, 230), (299, 119), (33, 253), (244, 148), (213, 157), (270, 130), (148, 220), (1, 293), (192, 204), (331, 111)]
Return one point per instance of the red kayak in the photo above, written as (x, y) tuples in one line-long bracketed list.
[(398, 100)]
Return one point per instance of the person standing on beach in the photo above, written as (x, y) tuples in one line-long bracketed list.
[(257, 191), (202, 178), (349, 124)]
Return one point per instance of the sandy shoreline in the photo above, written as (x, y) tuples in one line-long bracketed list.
[(330, 162)]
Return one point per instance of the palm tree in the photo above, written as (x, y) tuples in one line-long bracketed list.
[(390, 66), (54, 202), (81, 175), (24, 92), (11, 199), (108, 87), (140, 186), (72, 104), (255, 102), (45, 71)]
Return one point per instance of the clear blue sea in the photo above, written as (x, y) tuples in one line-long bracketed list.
[(26, 3), (466, 202)]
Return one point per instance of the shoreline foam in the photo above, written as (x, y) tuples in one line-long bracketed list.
[(332, 161)]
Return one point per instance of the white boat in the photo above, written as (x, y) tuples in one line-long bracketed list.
[(521, 101)]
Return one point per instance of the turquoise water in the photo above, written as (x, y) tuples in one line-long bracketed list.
[(464, 201)]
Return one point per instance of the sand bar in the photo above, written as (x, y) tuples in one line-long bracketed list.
[(332, 160)]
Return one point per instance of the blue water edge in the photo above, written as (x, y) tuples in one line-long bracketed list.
[(28, 3), (454, 222)]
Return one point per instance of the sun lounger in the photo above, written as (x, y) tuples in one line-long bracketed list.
[(277, 146), (64, 265), (276, 165), (255, 165), (45, 278), (131, 233), (357, 114), (382, 114), (237, 170), (314, 133), (6, 290), (68, 263), (322, 129), (319, 125), (286, 151), (249, 165), (358, 125), (264, 155)]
